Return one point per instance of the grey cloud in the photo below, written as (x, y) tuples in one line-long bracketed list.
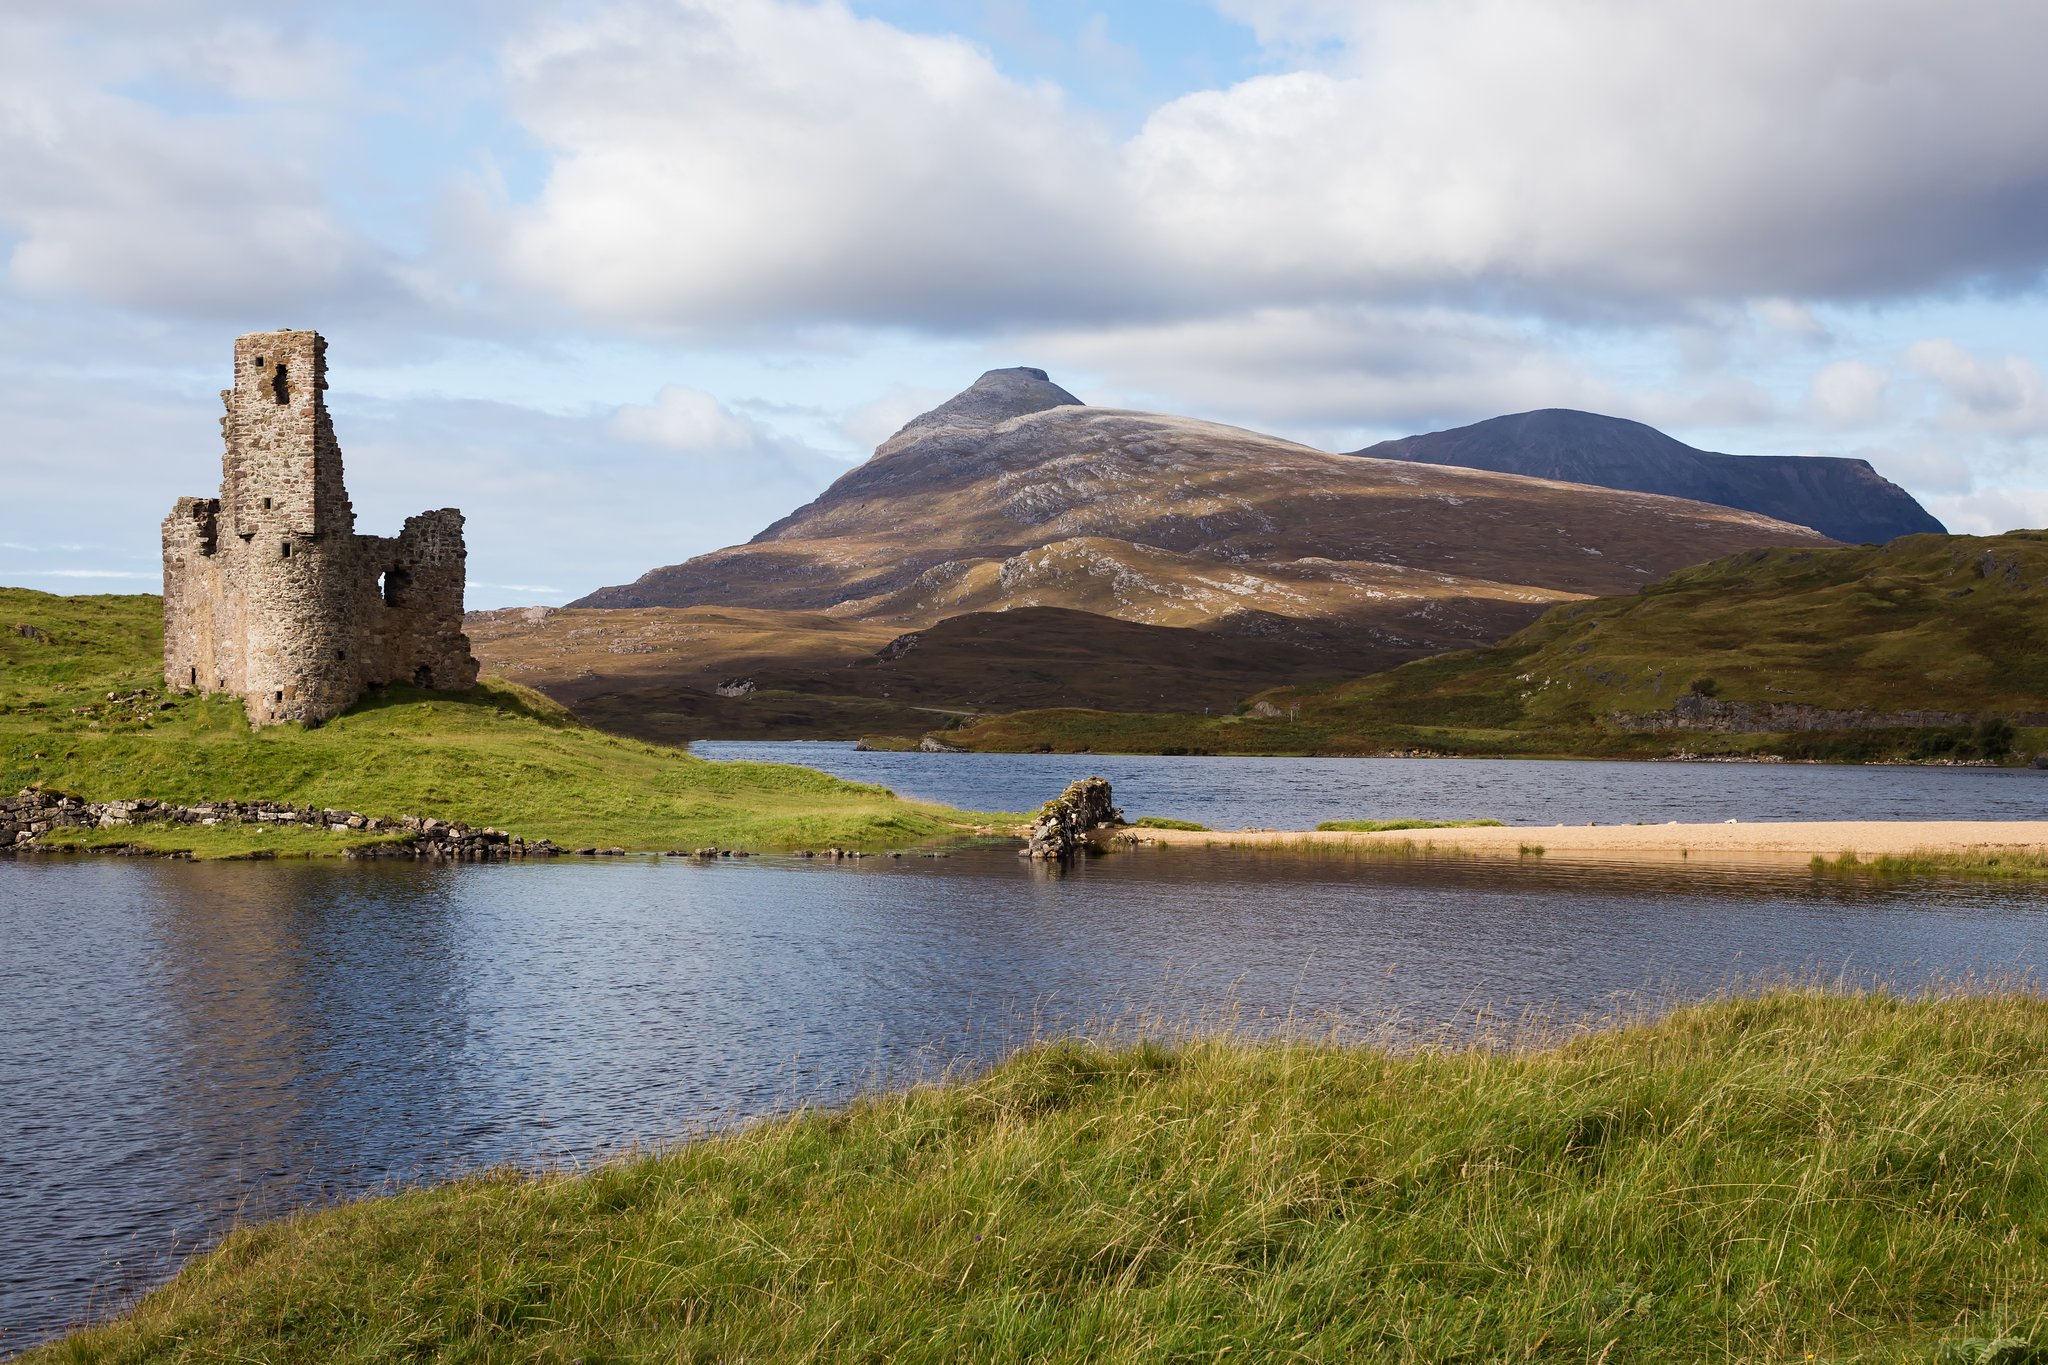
[(2008, 394), (755, 160), (216, 214)]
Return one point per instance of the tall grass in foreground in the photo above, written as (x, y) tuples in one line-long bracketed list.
[(1798, 1176)]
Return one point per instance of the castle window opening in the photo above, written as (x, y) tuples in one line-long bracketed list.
[(240, 607)]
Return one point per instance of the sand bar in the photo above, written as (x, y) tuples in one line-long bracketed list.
[(1769, 841)]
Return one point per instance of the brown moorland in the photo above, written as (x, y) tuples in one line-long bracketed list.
[(1016, 495)]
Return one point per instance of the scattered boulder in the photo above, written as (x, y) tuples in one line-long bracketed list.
[(1062, 823), (26, 817)]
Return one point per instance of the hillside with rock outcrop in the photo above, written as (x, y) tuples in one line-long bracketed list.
[(1842, 498), (1015, 494), (1105, 557), (1932, 648)]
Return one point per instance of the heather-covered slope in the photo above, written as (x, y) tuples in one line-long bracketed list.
[(1842, 498), (1929, 647), (656, 672)]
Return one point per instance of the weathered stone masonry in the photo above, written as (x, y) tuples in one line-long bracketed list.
[(268, 591)]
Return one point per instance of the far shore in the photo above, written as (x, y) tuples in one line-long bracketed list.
[(1761, 841)]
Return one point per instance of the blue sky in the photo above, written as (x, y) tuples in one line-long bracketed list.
[(628, 279)]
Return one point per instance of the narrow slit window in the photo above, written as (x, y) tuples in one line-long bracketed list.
[(195, 675), (280, 694), (284, 550), (281, 385), (266, 504)]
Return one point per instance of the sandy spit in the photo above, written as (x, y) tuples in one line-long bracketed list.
[(1771, 841)]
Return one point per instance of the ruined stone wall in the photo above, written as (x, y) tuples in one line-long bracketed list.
[(415, 627), (268, 591)]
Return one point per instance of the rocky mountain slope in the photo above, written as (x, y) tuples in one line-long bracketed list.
[(1015, 547), (1014, 494), (1842, 498)]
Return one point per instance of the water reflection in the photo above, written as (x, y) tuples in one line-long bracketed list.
[(182, 1041)]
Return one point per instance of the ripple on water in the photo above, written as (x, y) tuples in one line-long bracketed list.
[(182, 1044)]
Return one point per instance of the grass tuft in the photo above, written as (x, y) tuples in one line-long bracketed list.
[(1791, 1177), (2006, 864)]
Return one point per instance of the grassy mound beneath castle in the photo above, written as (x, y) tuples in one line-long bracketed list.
[(1796, 1177), (498, 755), (1932, 624)]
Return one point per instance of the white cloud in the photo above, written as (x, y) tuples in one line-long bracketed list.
[(1934, 468), (756, 160), (1649, 151), (1849, 393), (1792, 319), (220, 213), (690, 421), (2007, 395), (1332, 375), (874, 422), (1989, 511)]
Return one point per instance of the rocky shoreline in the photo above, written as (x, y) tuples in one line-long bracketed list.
[(29, 816)]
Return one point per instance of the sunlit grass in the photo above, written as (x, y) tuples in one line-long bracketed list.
[(498, 755), (2017, 864), (1799, 1176), (220, 841)]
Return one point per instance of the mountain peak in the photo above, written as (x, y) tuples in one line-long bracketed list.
[(994, 398)]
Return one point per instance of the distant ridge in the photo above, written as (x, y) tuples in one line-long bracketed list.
[(1842, 498)]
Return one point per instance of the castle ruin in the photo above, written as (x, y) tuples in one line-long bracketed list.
[(268, 591)]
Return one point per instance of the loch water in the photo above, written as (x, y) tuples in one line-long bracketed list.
[(1299, 793), (186, 1045)]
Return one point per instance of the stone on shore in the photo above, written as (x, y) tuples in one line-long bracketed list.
[(1063, 822)]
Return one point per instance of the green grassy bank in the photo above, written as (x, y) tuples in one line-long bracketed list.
[(498, 755), (1797, 1177), (1930, 623)]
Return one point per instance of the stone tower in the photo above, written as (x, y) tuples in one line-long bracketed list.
[(268, 591)]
